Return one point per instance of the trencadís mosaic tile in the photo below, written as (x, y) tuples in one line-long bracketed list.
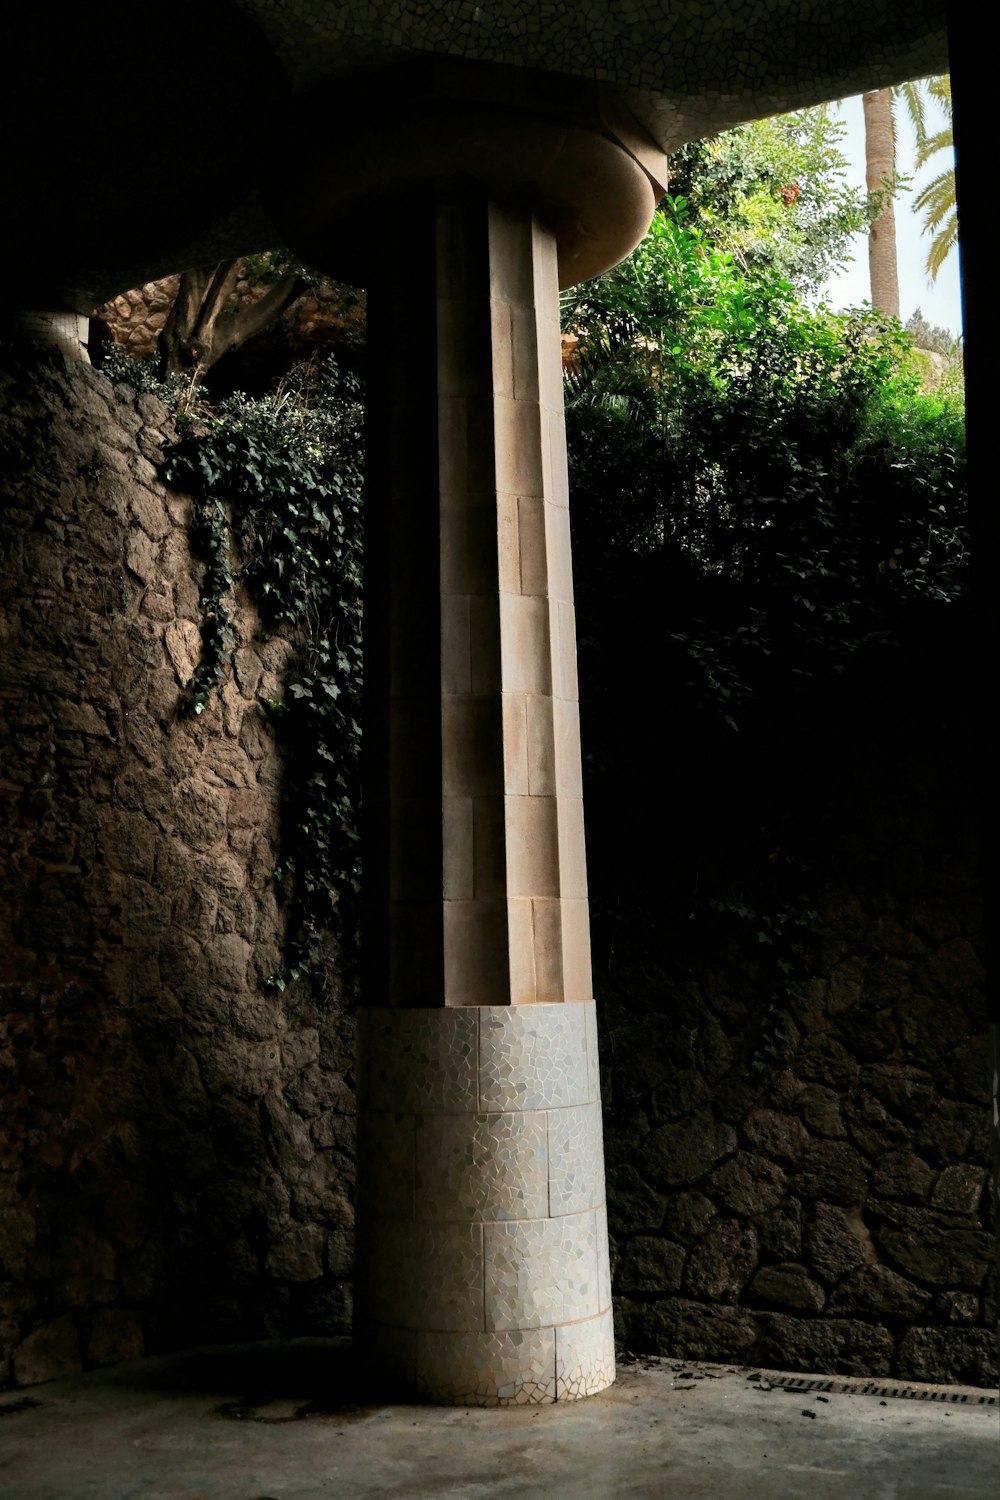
[(482, 1232), (690, 66), (472, 1167), (533, 1056), (576, 1158), (541, 1271), (488, 1369), (593, 1051), (386, 1165), (421, 1059), (420, 1275), (585, 1357)]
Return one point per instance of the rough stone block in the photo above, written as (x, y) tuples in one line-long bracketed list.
[(633, 1206), (832, 1172), (686, 1216), (877, 1292), (779, 1137), (933, 1247), (114, 1334), (650, 1264), (901, 1176), (828, 1346), (959, 1189), (786, 1287), (48, 1353), (950, 1355), (681, 1328), (748, 1185), (837, 1242), (722, 1262), (681, 1155)]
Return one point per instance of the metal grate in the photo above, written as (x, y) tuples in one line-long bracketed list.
[(872, 1388), (24, 1403)]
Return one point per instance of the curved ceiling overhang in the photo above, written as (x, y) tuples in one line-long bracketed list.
[(142, 140)]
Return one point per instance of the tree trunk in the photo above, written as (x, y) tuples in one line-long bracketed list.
[(880, 164), (193, 338)]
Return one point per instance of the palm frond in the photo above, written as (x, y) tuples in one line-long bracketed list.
[(942, 245), (912, 96), (915, 95), (936, 198), (936, 201), (930, 145)]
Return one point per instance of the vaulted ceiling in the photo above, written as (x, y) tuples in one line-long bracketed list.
[(138, 138)]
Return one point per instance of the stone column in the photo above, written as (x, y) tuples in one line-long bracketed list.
[(482, 1260), (482, 1271)]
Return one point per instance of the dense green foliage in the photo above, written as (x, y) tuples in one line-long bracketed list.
[(277, 484), (775, 195), (929, 336), (781, 464), (770, 550)]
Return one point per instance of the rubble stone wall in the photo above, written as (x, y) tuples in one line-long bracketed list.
[(176, 1138), (805, 1186)]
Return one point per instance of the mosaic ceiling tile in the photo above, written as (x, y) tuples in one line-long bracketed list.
[(689, 67)]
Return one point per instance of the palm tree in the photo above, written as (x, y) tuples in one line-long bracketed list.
[(936, 199), (880, 174)]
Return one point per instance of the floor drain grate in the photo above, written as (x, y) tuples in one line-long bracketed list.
[(800, 1383), (871, 1388), (24, 1403)]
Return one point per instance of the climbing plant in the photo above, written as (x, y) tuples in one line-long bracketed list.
[(277, 488)]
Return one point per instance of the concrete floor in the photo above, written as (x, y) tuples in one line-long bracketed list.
[(285, 1421)]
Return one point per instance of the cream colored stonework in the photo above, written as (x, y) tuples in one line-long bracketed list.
[(483, 1264)]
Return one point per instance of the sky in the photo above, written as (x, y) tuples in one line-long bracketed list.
[(940, 301)]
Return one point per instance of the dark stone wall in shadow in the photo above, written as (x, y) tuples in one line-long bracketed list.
[(176, 1138), (793, 1013)]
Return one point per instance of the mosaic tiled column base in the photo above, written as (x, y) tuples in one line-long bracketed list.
[(482, 1274)]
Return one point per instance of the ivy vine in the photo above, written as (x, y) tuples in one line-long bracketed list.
[(277, 488)]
